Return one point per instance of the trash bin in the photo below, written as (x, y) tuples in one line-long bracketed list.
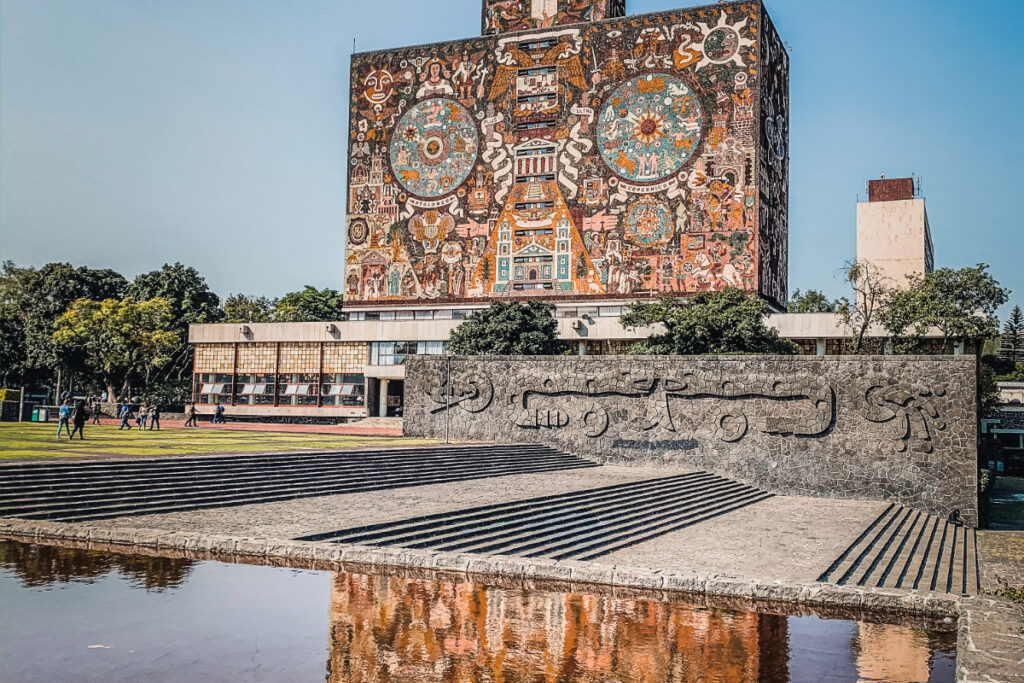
[(35, 414)]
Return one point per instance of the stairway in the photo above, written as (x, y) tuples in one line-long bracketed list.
[(910, 549), (580, 525), (77, 492)]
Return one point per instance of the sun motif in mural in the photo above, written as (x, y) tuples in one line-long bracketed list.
[(722, 42), (434, 147), (649, 127)]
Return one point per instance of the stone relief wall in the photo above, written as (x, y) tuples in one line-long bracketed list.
[(896, 428), (617, 158)]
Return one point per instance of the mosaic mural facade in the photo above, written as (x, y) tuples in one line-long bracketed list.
[(504, 16), (611, 158)]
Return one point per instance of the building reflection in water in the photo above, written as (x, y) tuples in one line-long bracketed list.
[(389, 628), (386, 628), (892, 653)]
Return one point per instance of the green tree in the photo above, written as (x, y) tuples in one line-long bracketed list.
[(811, 301), (184, 289), (32, 300), (960, 303), (508, 328), (118, 339), (308, 305), (191, 301), (1013, 331), (239, 308), (728, 321), (870, 293)]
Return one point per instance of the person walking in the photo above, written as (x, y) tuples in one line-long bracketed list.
[(80, 416), (143, 415), (64, 418), (192, 421), (154, 417), (96, 412), (220, 413), (126, 414)]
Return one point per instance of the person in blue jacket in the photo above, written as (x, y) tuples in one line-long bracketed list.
[(64, 418)]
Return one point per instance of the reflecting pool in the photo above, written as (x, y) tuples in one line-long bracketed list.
[(74, 614)]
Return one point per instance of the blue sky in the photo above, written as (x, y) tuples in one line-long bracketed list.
[(213, 132)]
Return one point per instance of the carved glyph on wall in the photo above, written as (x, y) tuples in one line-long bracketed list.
[(803, 407), (913, 412), (470, 391)]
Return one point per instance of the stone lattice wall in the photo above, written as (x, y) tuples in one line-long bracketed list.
[(897, 428)]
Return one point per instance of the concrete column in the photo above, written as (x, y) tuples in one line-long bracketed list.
[(819, 347), (384, 398)]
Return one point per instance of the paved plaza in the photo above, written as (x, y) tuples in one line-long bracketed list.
[(772, 546)]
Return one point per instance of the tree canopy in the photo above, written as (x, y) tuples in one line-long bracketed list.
[(239, 308), (961, 303), (728, 321), (32, 298), (870, 292), (308, 305), (811, 301), (116, 339), (185, 291), (508, 328), (1013, 333)]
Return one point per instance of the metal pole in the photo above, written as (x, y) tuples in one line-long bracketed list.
[(447, 398), (21, 404)]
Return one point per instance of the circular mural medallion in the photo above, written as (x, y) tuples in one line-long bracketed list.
[(721, 44), (647, 223), (649, 127), (358, 231), (433, 147)]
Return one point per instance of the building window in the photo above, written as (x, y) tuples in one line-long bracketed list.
[(254, 389), (534, 125), (213, 388), (343, 389), (394, 353), (298, 388), (806, 347), (537, 71), (538, 44)]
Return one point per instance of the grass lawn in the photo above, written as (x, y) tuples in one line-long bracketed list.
[(21, 440)]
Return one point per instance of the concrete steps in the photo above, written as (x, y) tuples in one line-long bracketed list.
[(910, 549), (579, 525), (91, 491)]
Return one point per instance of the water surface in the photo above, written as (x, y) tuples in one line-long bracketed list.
[(72, 614)]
